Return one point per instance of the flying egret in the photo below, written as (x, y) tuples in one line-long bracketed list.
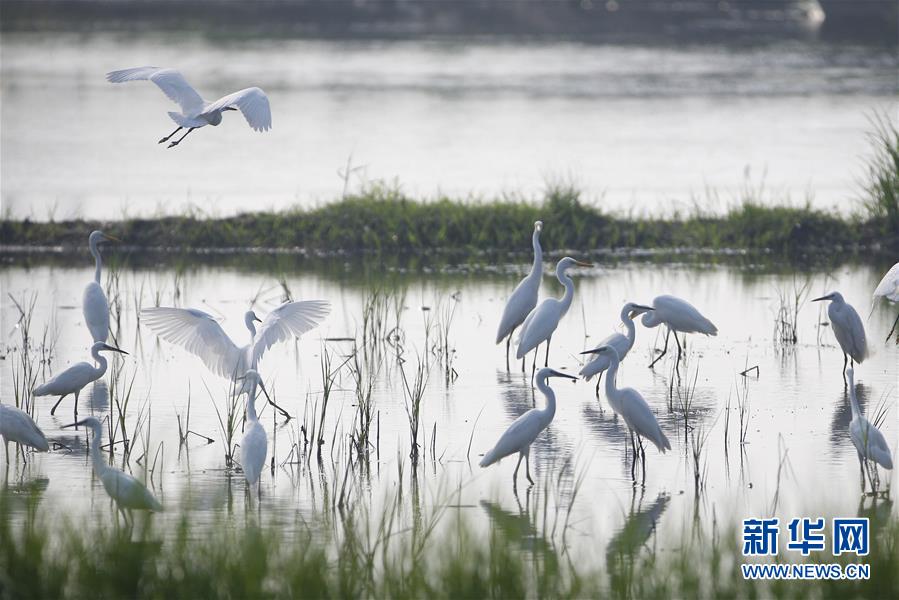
[(848, 328), (18, 427), (621, 342), (631, 405), (541, 323), (254, 444), (196, 112), (889, 288), (678, 316), (868, 441), (94, 304), (524, 297), (200, 334), (525, 429), (76, 377), (125, 489)]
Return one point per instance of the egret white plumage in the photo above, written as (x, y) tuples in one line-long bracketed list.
[(125, 489), (868, 440), (196, 112), (621, 342), (630, 405), (848, 328), (76, 377), (679, 316), (254, 444), (889, 288), (542, 322), (200, 334), (524, 297), (18, 427), (525, 429), (94, 304)]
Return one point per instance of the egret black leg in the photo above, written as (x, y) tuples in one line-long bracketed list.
[(546, 361), (181, 139), (75, 407), (515, 472), (508, 344), (53, 410), (283, 412), (527, 467), (845, 363), (166, 138), (664, 351), (892, 329)]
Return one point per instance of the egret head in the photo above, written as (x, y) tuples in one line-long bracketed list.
[(253, 377), (229, 108), (103, 346), (603, 351), (538, 226), (633, 309), (546, 372), (249, 318), (569, 262), (98, 237), (833, 297)]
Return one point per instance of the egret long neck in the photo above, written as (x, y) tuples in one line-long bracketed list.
[(611, 376), (853, 402), (251, 326), (100, 465), (251, 404), (568, 296), (98, 264), (631, 329), (537, 267), (100, 369), (550, 411)]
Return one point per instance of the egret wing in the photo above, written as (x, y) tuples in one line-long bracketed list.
[(253, 450), (252, 102), (171, 82), (17, 426), (67, 382), (198, 333), (640, 418), (889, 285), (522, 432), (95, 308), (289, 319)]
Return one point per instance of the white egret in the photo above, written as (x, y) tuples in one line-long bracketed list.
[(76, 377), (525, 429), (254, 444), (678, 316), (94, 303), (18, 427), (621, 342), (125, 489), (200, 334), (631, 405), (196, 112), (889, 288), (524, 297), (848, 328), (868, 441), (542, 322)]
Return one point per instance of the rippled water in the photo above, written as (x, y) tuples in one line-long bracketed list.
[(798, 410)]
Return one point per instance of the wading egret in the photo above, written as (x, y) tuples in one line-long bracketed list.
[(848, 328), (254, 444), (524, 297), (621, 342), (541, 323), (631, 405), (868, 441), (18, 427), (678, 316), (94, 304), (126, 490), (196, 112), (889, 288), (73, 379), (525, 429)]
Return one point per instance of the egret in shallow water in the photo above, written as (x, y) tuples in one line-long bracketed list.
[(125, 489), (254, 444), (848, 328), (525, 429), (621, 342), (889, 288), (542, 322), (94, 304), (18, 427), (76, 377), (868, 441), (196, 112), (631, 405), (679, 316), (524, 297)]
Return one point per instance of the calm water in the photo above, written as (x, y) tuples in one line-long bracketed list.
[(797, 406), (644, 129)]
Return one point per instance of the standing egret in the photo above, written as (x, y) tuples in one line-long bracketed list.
[(94, 303), (622, 343), (525, 429), (889, 288), (678, 316), (868, 441), (76, 377), (631, 405), (254, 444), (848, 328), (196, 112), (18, 427), (541, 323), (125, 489), (524, 297), (200, 334)]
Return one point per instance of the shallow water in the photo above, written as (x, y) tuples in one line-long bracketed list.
[(797, 408), (638, 128)]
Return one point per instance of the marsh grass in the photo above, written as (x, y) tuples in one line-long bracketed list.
[(880, 186), (786, 319)]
